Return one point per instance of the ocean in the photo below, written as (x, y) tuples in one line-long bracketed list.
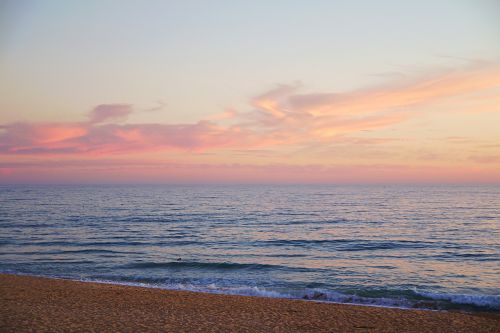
[(414, 246)]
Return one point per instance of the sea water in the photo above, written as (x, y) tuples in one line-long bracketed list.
[(418, 246)]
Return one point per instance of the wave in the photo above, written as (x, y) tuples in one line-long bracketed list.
[(351, 244), (24, 225), (315, 294), (62, 262), (206, 265), (82, 251), (93, 251), (489, 301), (396, 299), (341, 245), (381, 298), (110, 243)]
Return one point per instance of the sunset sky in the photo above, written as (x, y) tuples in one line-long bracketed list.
[(249, 91)]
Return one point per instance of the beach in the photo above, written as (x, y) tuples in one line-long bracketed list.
[(56, 305)]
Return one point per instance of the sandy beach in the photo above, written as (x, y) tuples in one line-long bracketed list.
[(43, 305)]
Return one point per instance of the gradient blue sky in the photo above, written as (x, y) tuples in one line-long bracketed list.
[(71, 55)]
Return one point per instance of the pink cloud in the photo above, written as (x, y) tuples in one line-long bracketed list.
[(40, 138), (101, 136), (281, 116)]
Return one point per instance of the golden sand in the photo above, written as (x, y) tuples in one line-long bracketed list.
[(54, 305)]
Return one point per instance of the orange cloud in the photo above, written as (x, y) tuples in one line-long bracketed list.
[(399, 95), (330, 115), (279, 117)]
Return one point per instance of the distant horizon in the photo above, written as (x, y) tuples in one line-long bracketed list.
[(259, 184)]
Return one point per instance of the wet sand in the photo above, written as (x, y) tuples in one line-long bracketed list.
[(43, 305)]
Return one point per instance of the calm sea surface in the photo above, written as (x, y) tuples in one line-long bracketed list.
[(406, 246)]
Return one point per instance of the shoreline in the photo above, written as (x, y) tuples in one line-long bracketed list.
[(57, 304), (427, 306), (152, 286)]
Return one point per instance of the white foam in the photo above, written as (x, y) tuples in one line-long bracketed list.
[(330, 296), (492, 301)]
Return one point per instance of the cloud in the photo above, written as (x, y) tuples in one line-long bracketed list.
[(105, 112), (160, 106), (38, 138), (398, 95), (279, 117), (114, 138), (326, 116)]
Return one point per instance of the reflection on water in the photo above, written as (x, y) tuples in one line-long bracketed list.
[(368, 244)]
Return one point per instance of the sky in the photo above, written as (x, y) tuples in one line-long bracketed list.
[(249, 91)]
